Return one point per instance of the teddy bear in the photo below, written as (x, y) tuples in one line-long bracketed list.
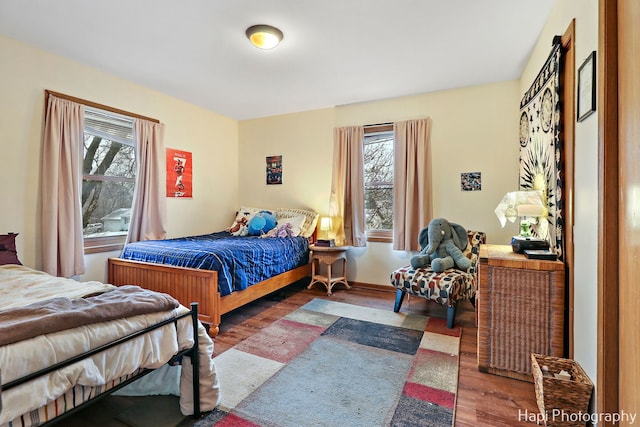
[(443, 244)]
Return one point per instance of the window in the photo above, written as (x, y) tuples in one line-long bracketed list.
[(378, 182), (108, 179)]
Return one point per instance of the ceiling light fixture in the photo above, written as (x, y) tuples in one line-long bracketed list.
[(264, 36)]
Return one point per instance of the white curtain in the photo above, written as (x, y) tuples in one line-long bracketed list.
[(412, 202), (347, 187), (149, 210), (62, 241)]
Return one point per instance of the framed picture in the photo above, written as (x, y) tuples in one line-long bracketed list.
[(471, 181), (274, 170), (179, 173), (587, 87)]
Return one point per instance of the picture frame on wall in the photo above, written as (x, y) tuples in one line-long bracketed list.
[(471, 181), (587, 87), (179, 182), (274, 170)]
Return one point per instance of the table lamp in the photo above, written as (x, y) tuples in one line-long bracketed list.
[(531, 208), (529, 215), (325, 227)]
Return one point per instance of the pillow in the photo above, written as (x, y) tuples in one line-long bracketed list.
[(240, 226), (8, 252), (311, 219), (296, 222), (282, 230), (261, 223)]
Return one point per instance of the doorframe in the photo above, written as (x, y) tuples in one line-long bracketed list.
[(568, 137), (607, 393)]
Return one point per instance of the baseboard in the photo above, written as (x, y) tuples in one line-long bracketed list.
[(373, 286)]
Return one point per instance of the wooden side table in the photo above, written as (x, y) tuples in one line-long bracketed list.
[(520, 305), (328, 255)]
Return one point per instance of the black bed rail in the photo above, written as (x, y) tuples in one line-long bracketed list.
[(191, 352)]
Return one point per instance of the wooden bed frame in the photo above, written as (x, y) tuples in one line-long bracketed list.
[(189, 285)]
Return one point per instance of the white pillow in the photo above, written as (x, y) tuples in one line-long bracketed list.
[(311, 219), (297, 223), (240, 226)]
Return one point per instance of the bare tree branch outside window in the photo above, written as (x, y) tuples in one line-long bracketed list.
[(108, 171), (378, 180)]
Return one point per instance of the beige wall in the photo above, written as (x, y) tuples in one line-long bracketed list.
[(474, 130), (305, 141), (26, 72), (585, 13)]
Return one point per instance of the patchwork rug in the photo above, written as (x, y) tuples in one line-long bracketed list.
[(335, 364)]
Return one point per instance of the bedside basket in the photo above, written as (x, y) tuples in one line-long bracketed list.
[(557, 397)]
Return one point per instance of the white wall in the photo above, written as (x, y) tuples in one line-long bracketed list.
[(26, 72), (474, 130), (585, 13)]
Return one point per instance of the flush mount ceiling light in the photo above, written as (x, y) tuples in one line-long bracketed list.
[(264, 36)]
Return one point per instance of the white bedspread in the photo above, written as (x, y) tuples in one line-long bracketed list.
[(20, 286)]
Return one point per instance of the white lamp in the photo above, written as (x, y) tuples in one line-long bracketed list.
[(325, 227), (530, 206)]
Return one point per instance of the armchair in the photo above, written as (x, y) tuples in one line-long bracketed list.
[(446, 288)]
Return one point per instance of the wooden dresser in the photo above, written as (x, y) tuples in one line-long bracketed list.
[(520, 305)]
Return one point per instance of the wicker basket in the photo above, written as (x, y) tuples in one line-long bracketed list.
[(561, 400)]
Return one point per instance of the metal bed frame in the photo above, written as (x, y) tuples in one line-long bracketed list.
[(191, 352)]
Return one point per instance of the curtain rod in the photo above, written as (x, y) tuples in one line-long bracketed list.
[(378, 124), (96, 105)]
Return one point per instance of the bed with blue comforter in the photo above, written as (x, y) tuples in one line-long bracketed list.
[(220, 271), (240, 261)]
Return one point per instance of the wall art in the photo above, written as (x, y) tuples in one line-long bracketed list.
[(274, 170), (179, 173), (471, 181), (587, 87)]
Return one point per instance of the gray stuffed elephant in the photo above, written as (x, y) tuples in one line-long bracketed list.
[(442, 246)]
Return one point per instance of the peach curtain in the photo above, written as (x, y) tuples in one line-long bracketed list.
[(412, 202), (347, 187), (149, 210), (62, 242)]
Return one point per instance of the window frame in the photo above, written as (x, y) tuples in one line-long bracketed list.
[(111, 243), (117, 242), (381, 236)]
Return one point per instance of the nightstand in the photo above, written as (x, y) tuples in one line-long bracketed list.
[(328, 255)]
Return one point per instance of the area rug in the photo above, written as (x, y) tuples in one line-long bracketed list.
[(335, 364)]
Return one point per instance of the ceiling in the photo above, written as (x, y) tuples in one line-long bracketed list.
[(334, 52)]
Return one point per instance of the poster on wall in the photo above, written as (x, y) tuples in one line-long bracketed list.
[(274, 170), (179, 173)]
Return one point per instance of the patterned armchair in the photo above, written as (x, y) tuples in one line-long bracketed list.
[(446, 288)]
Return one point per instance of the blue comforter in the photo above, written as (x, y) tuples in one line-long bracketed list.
[(239, 261)]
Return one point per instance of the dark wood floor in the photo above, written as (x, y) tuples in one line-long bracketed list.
[(483, 399)]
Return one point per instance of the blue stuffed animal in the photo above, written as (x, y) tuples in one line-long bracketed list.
[(262, 223), (443, 244)]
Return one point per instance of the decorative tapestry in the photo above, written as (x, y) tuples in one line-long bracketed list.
[(541, 147)]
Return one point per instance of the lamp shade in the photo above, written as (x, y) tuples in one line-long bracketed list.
[(325, 224), (531, 210), (264, 36), (508, 208)]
